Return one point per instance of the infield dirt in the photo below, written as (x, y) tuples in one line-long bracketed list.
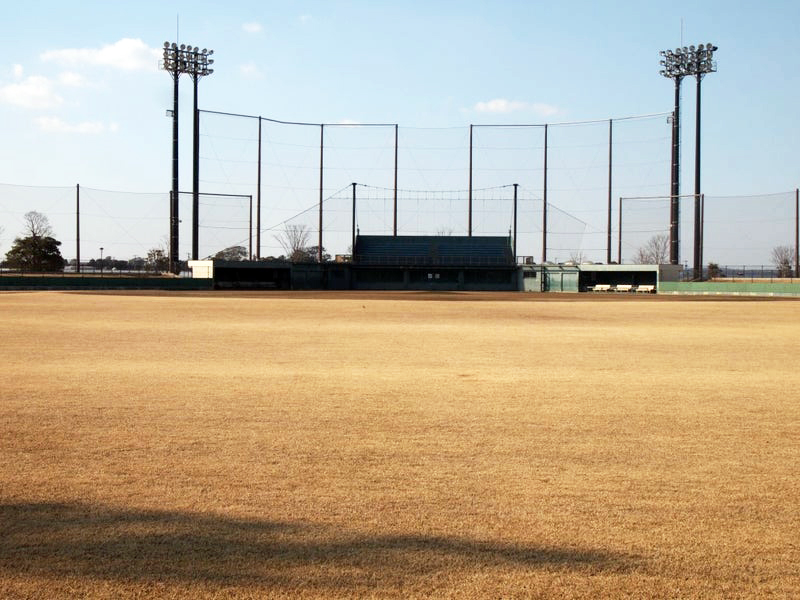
[(350, 445)]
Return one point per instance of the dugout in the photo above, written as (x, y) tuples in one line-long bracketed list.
[(635, 275), (479, 263)]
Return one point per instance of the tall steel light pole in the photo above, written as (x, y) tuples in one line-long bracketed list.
[(675, 67), (197, 66), (701, 62), (195, 62), (172, 64)]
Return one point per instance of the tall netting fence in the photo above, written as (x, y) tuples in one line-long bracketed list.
[(745, 230), (433, 173), (259, 176), (225, 222), (642, 230), (371, 210), (738, 233), (125, 225), (58, 204)]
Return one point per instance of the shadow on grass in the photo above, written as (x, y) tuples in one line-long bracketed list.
[(96, 542)]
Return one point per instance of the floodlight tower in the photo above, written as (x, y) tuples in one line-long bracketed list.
[(675, 66), (172, 63), (702, 62), (197, 66), (196, 63)]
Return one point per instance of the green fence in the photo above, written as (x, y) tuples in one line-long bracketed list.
[(712, 288), (17, 282)]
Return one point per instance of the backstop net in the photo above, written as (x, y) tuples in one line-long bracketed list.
[(428, 175), (431, 171)]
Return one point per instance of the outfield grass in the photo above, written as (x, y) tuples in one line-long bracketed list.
[(349, 445)]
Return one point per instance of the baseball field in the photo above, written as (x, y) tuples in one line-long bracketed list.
[(417, 445)]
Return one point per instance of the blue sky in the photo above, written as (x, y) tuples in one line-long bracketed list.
[(82, 99)]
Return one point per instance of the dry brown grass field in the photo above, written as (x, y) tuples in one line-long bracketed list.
[(398, 445)]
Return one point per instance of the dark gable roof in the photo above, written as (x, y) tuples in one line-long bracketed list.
[(433, 250)]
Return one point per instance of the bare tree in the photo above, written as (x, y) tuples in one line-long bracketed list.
[(36, 225), (294, 240), (157, 259), (444, 231), (654, 252), (783, 257), (578, 257)]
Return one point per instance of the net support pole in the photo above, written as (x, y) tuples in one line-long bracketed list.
[(469, 202), (321, 172), (394, 220), (698, 261), (702, 230), (250, 231), (258, 199), (675, 185), (797, 233), (544, 201), (78, 228), (173, 197), (610, 157), (195, 174), (353, 242), (619, 233), (516, 185)]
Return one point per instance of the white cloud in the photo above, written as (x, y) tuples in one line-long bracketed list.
[(499, 105), (252, 27), (127, 54), (545, 110), (18, 71), (305, 19), (56, 125), (250, 71), (32, 92), (503, 106), (71, 79)]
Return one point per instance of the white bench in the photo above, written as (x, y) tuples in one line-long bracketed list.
[(624, 287), (601, 287), (646, 289)]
